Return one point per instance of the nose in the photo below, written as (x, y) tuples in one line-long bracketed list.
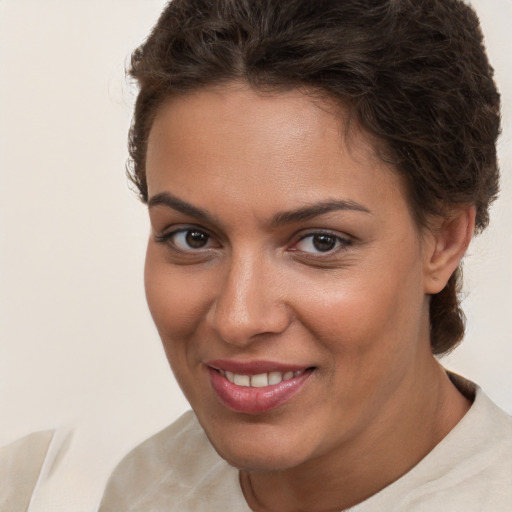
[(249, 302)]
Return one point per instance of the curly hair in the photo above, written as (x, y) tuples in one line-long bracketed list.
[(413, 73)]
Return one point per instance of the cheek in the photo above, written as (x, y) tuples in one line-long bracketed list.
[(367, 310), (173, 297), (177, 304)]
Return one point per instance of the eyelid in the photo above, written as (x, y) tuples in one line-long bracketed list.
[(342, 243), (166, 236)]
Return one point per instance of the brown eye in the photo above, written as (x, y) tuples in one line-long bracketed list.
[(187, 240), (196, 239), (317, 243), (324, 243)]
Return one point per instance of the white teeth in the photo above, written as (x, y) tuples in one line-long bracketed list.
[(259, 381), (242, 380), (275, 378)]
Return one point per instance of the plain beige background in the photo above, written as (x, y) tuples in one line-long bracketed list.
[(78, 350)]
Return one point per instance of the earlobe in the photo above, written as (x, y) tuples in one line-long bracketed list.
[(446, 246)]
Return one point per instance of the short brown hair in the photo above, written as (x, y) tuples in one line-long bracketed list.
[(413, 73)]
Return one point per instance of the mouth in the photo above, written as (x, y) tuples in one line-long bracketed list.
[(260, 380), (254, 388)]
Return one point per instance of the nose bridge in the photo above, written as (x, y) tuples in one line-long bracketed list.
[(248, 302)]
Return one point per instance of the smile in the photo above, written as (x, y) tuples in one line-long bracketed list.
[(261, 380), (246, 391)]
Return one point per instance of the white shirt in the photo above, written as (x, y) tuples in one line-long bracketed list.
[(177, 470)]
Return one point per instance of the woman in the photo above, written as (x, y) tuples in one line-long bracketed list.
[(314, 172)]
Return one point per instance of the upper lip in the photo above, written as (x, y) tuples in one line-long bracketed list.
[(254, 367)]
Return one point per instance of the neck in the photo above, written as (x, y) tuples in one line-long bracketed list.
[(424, 410)]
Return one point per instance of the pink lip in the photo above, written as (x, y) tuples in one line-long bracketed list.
[(251, 400)]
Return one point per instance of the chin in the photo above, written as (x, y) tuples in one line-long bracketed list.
[(259, 448), (261, 461)]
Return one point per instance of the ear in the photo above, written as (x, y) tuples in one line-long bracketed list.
[(445, 246)]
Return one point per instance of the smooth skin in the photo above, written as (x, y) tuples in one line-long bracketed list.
[(277, 234)]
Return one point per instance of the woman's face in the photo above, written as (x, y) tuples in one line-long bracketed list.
[(284, 273)]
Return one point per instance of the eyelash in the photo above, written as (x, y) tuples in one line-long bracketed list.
[(167, 238), (340, 243)]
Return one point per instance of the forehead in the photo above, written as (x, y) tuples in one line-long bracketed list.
[(263, 149)]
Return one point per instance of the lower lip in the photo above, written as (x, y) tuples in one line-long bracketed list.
[(251, 400)]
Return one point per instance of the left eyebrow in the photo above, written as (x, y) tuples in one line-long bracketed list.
[(314, 210)]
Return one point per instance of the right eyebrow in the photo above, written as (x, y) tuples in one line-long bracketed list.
[(170, 201)]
